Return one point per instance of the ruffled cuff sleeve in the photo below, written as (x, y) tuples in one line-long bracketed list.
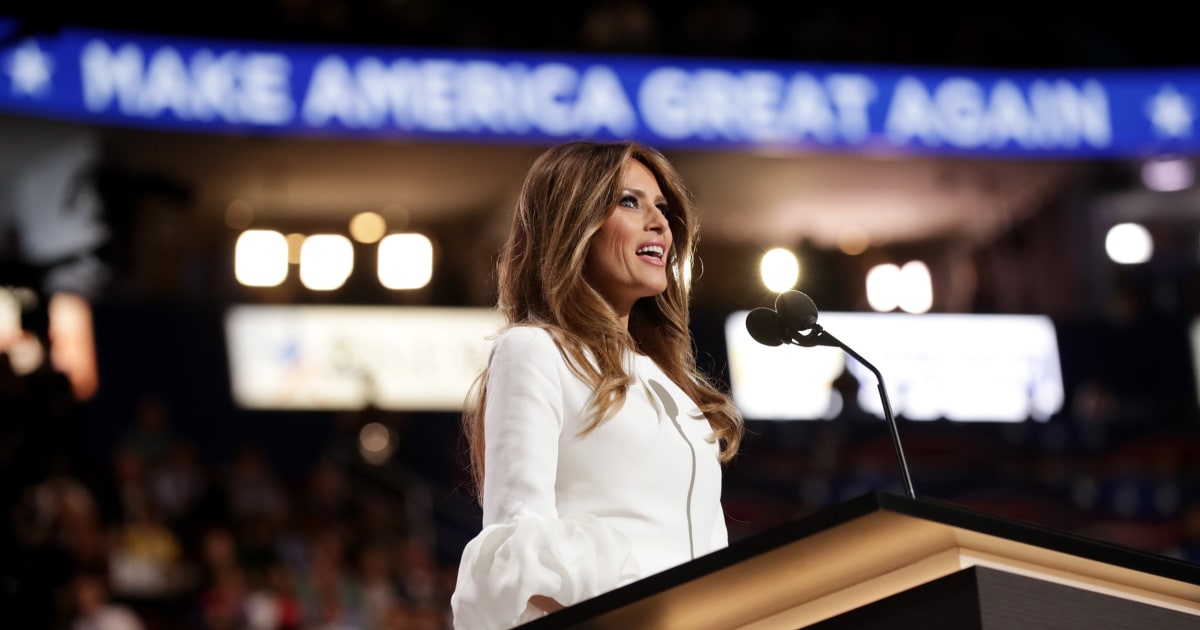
[(567, 559)]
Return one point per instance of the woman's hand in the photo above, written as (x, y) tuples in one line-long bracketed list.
[(545, 603)]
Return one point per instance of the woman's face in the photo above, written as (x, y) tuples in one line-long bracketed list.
[(627, 258)]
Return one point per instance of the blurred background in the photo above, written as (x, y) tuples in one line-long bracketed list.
[(197, 431)]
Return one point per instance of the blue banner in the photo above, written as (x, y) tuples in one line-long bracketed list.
[(110, 78)]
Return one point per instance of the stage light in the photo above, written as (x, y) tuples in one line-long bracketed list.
[(405, 261), (883, 287), (853, 240), (779, 270), (1129, 244), (260, 258), (375, 443), (916, 288), (325, 261), (367, 227), (1168, 174)]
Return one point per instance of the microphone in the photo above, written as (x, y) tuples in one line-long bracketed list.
[(796, 313), (796, 310), (765, 326)]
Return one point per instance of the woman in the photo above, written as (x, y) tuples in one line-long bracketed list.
[(595, 441)]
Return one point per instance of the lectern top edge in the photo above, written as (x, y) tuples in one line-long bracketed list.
[(1036, 535), (871, 505)]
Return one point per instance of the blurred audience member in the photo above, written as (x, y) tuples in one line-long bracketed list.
[(52, 529), (179, 487), (378, 585), (146, 559), (125, 493), (151, 436), (222, 603), (331, 593), (254, 490), (94, 610)]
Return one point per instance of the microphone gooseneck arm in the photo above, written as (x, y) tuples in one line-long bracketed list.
[(795, 313), (820, 337)]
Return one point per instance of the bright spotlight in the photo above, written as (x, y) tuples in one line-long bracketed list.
[(367, 227), (405, 261), (1129, 244), (883, 287), (779, 269), (1168, 174), (853, 240), (375, 443), (325, 261), (916, 288), (260, 258)]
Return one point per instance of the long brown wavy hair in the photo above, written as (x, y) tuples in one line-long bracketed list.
[(568, 193)]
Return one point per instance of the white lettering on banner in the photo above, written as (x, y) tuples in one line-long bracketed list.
[(235, 87), (562, 100), (548, 88), (436, 96), (449, 96), (755, 105), (663, 101), (332, 95), (961, 113), (213, 85), (1070, 113), (486, 90), (852, 95), (603, 104), (716, 100), (108, 75), (265, 97), (166, 86), (807, 110)]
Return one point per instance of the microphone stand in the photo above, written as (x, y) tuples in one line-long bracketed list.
[(819, 336)]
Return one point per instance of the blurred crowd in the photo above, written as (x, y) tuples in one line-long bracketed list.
[(160, 537)]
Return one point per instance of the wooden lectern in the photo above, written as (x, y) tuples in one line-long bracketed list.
[(889, 562)]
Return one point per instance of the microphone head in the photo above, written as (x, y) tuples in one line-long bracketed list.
[(765, 326), (796, 311)]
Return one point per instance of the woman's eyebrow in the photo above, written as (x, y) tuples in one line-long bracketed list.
[(641, 193)]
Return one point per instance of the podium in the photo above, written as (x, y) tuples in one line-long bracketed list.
[(885, 561)]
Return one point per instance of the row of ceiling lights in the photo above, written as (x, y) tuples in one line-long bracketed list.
[(263, 258), (889, 286)]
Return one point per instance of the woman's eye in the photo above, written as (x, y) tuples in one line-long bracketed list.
[(666, 211), (629, 201)]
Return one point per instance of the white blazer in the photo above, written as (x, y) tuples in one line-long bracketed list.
[(570, 516)]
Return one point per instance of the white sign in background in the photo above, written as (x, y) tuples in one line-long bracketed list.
[(348, 357), (981, 368), (997, 368)]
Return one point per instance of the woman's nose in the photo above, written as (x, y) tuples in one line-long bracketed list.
[(656, 222)]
